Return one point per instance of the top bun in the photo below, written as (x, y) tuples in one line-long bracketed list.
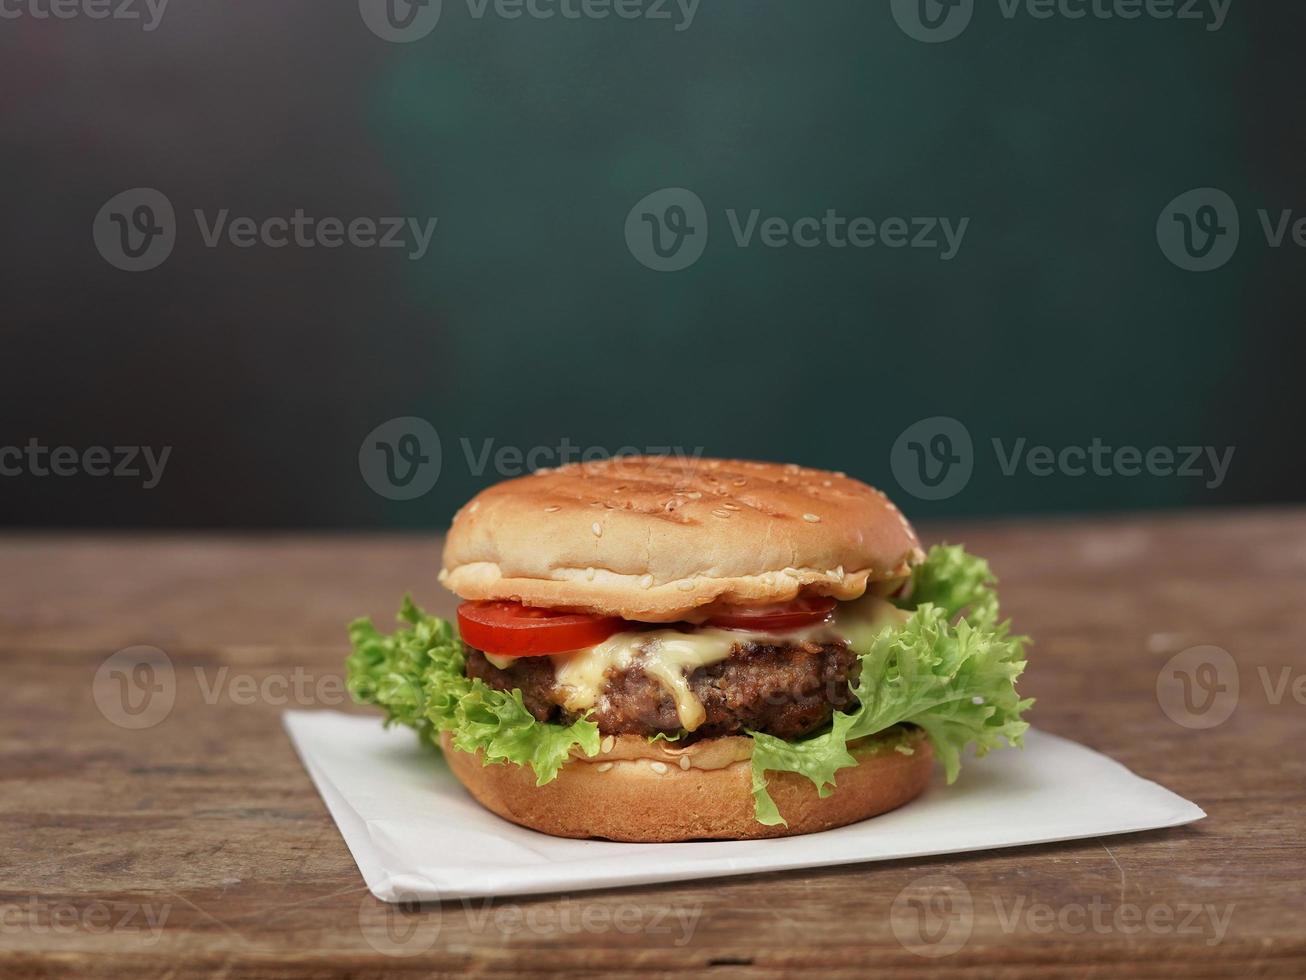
[(658, 538)]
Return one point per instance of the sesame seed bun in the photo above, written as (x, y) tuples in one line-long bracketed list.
[(660, 538), (650, 792)]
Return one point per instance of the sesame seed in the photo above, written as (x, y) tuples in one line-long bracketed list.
[(684, 762), (658, 767), (645, 581), (686, 586), (741, 482), (811, 519), (731, 506), (471, 508), (597, 528), (604, 766), (693, 495), (720, 513), (791, 572), (826, 483), (552, 509), (608, 742)]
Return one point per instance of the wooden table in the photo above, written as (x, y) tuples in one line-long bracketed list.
[(198, 846)]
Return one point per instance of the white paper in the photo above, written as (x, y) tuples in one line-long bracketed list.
[(417, 835)]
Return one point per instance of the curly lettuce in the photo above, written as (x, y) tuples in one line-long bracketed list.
[(416, 675), (950, 670)]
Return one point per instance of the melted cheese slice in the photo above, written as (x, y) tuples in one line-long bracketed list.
[(670, 656)]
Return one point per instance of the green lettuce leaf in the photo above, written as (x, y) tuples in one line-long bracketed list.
[(952, 676), (416, 675), (949, 670)]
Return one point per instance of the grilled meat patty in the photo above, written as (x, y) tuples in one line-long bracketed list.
[(786, 690)]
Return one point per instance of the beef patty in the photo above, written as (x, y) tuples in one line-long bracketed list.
[(785, 689)]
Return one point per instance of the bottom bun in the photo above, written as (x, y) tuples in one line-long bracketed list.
[(640, 791)]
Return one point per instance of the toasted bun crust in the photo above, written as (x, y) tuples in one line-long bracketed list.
[(655, 538), (639, 791)]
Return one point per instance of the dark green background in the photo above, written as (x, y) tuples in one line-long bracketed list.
[(530, 322)]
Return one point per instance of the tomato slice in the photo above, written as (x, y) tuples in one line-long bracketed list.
[(511, 629), (778, 617)]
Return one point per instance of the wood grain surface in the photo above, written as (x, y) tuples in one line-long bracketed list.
[(196, 846)]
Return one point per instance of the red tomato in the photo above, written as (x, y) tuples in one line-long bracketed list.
[(778, 617), (511, 629)]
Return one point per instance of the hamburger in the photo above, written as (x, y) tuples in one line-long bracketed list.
[(657, 649)]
